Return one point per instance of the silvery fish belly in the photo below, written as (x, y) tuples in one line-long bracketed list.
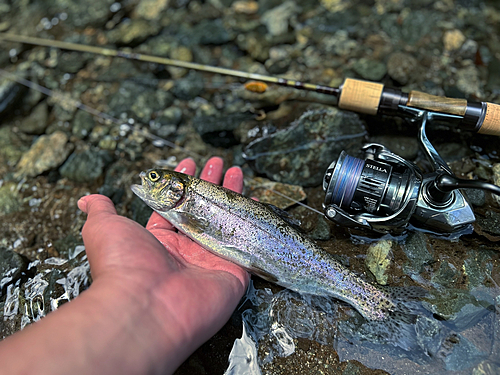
[(255, 236)]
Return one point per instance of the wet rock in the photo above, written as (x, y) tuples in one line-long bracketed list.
[(10, 201), (464, 355), (133, 32), (369, 69), (453, 40), (478, 265), (11, 92), (468, 81), (86, 166), (406, 147), (401, 67), (417, 251), (458, 307), (188, 87), (218, 130), (150, 102), (114, 184), (48, 152), (300, 154), (83, 13), (493, 83), (55, 282), (351, 369), (65, 246), (141, 212), (486, 368), (12, 265), (170, 116), (11, 146), (476, 197), (490, 222), (496, 179), (83, 123), (36, 122), (150, 9), (446, 275), (264, 190), (212, 32), (321, 231), (378, 260), (453, 151), (277, 19), (180, 53), (108, 142)]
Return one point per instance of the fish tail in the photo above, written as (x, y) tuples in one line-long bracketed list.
[(407, 325)]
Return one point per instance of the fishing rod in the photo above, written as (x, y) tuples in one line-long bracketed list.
[(382, 192), (354, 95)]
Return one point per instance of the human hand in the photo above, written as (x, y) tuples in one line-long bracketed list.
[(190, 291)]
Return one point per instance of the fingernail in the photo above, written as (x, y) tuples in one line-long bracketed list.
[(82, 204)]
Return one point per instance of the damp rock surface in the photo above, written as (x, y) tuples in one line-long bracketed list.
[(146, 115)]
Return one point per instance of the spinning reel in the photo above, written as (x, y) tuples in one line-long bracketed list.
[(385, 193)]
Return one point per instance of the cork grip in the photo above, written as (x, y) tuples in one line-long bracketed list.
[(434, 103), (491, 123), (360, 96)]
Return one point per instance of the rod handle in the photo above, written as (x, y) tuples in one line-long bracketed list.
[(491, 122), (360, 96), (452, 106)]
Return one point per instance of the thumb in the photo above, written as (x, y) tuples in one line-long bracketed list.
[(95, 204)]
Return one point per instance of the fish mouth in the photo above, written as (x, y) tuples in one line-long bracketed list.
[(139, 191)]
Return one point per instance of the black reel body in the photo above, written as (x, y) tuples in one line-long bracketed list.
[(385, 193)]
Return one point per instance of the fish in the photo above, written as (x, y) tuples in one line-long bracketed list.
[(258, 237)]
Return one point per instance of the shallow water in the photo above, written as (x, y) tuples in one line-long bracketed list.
[(448, 47)]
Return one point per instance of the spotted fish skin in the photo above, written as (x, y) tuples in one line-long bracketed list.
[(255, 237)]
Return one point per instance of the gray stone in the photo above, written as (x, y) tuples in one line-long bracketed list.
[(370, 69), (11, 146), (496, 179), (406, 147), (48, 152), (10, 200), (218, 130), (212, 32), (12, 265), (446, 275), (300, 154), (188, 87), (490, 222), (378, 260), (417, 251), (464, 354), (478, 265), (86, 166), (401, 67), (476, 197), (170, 116), (133, 32), (321, 231), (150, 102), (141, 212), (83, 123), (36, 122)]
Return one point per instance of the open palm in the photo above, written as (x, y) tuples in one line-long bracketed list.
[(190, 291)]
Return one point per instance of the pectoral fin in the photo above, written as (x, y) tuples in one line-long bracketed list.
[(263, 274)]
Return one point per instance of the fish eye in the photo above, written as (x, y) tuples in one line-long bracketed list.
[(153, 176)]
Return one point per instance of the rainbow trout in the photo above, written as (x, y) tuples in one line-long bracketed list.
[(258, 238)]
